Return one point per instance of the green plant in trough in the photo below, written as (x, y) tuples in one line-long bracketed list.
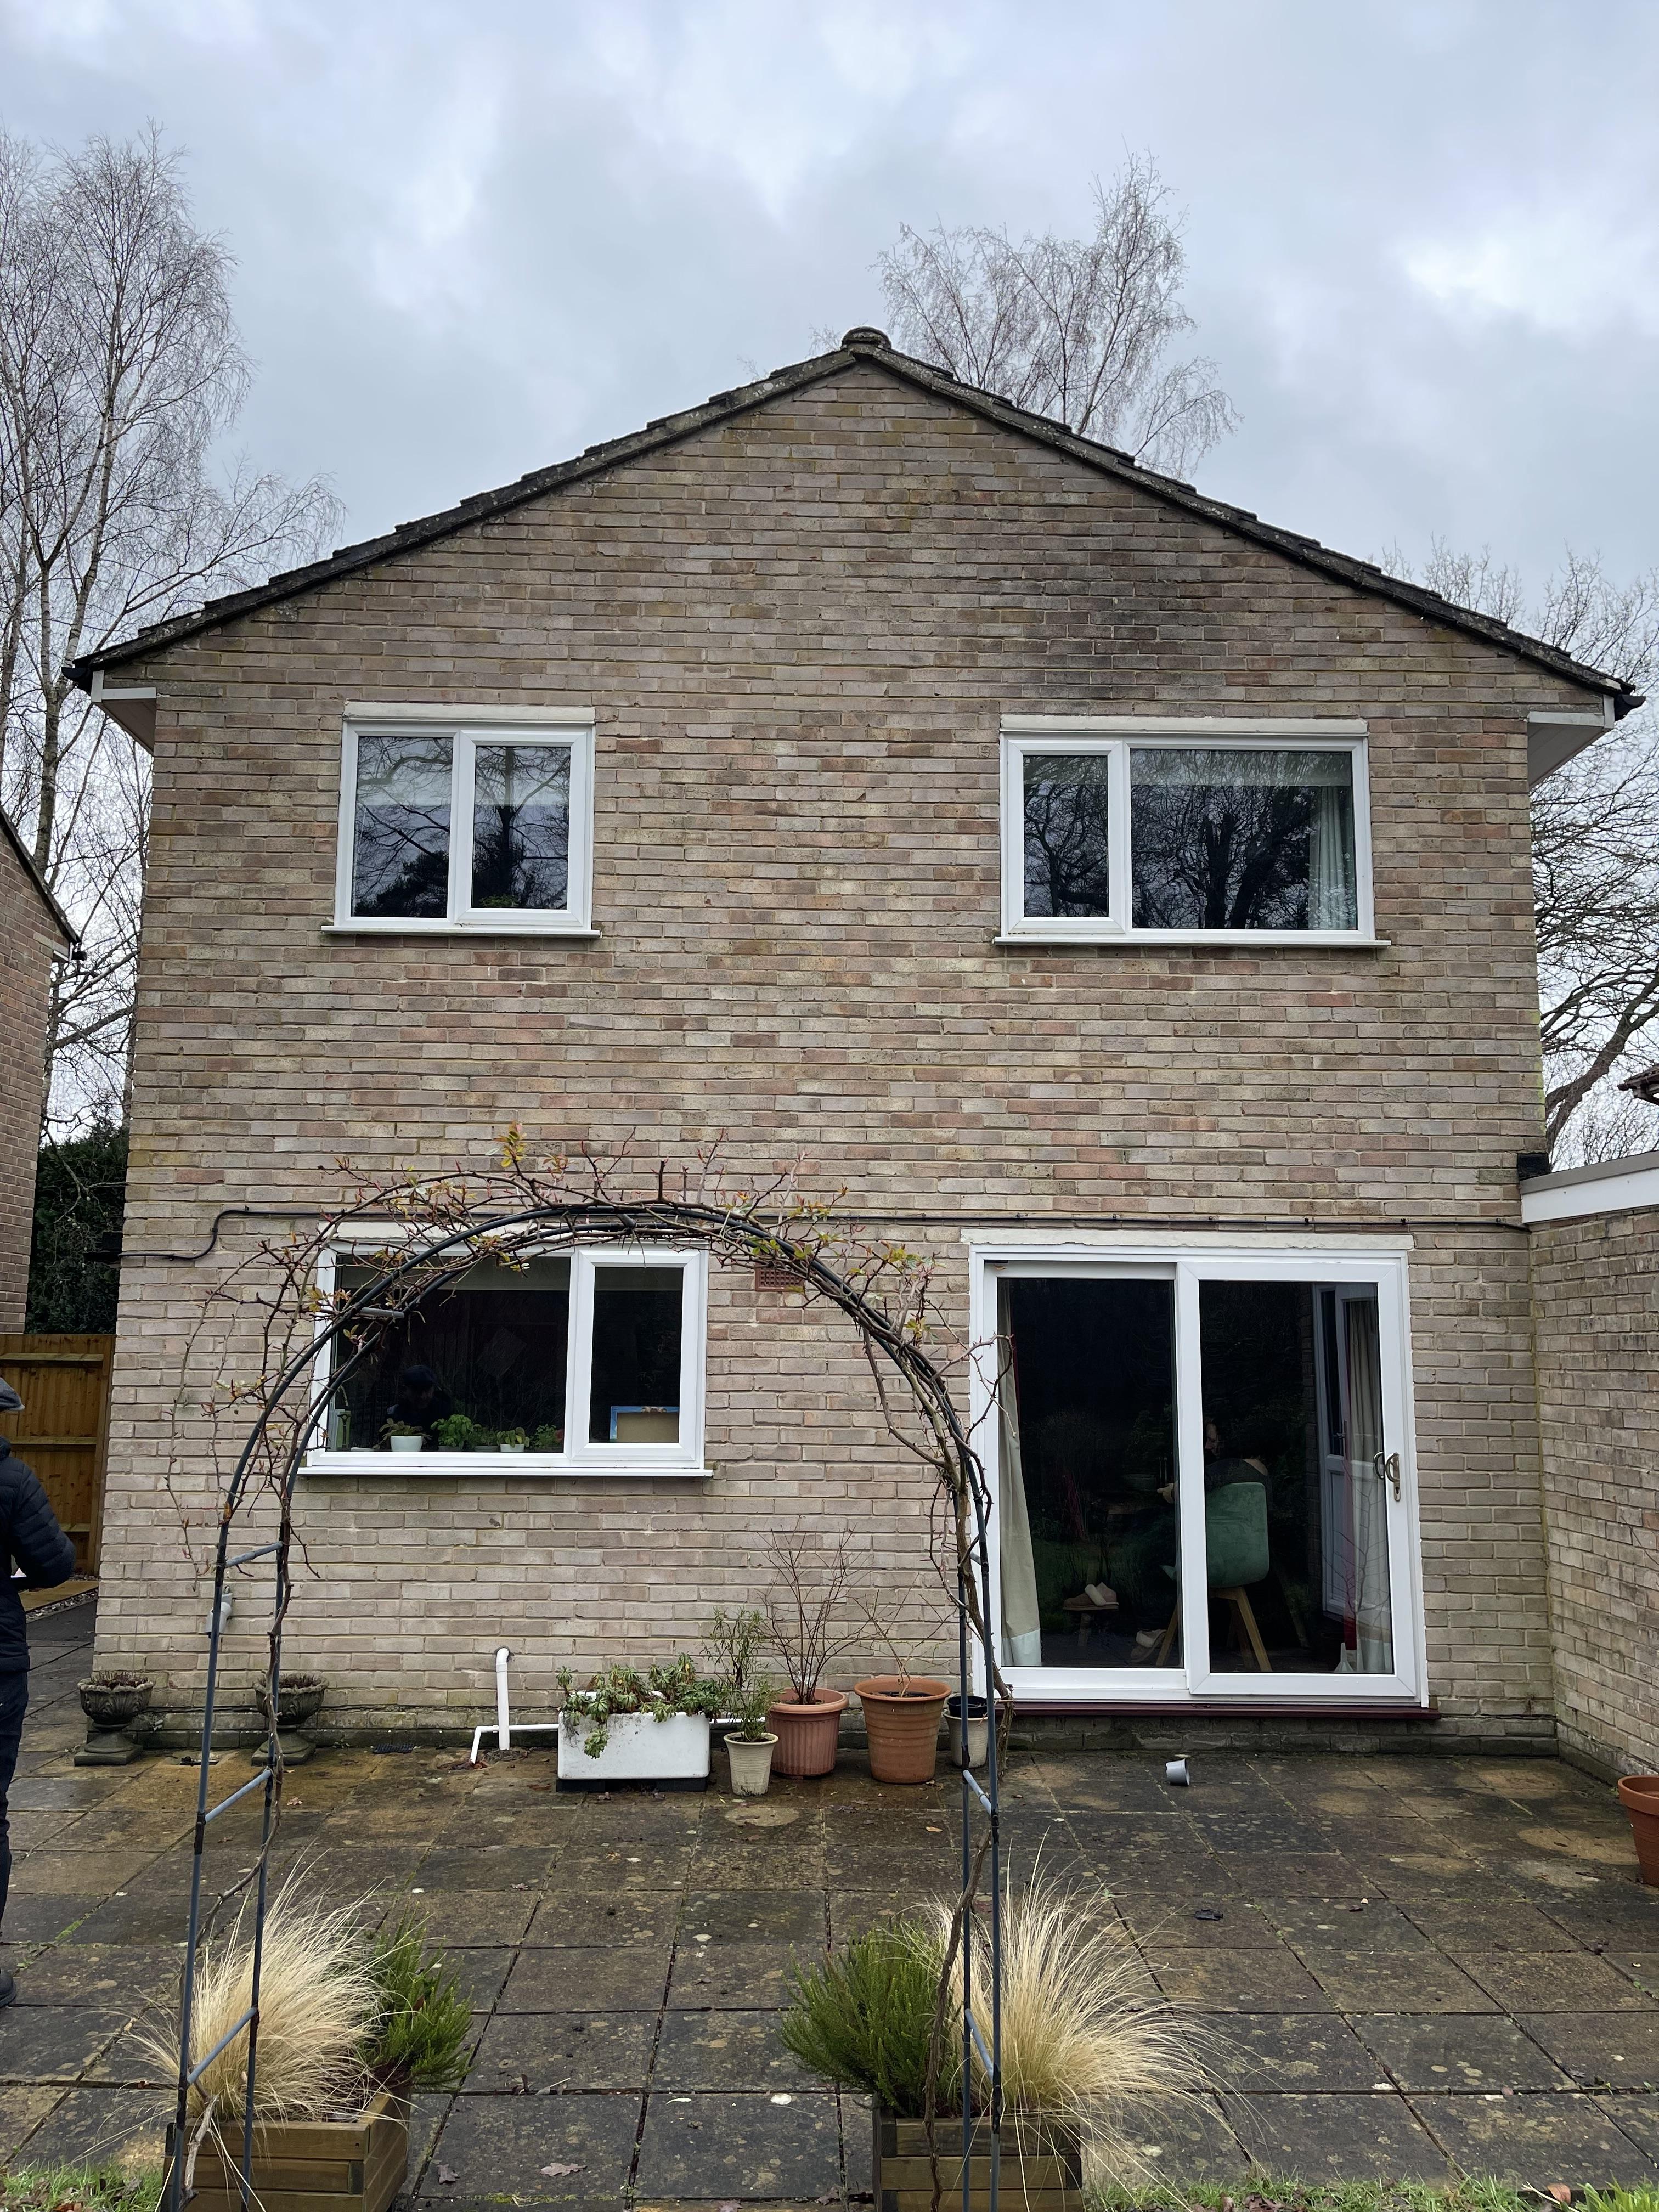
[(418, 2030), (864, 2016), (662, 1691)]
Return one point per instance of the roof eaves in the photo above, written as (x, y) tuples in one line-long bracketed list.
[(66, 928), (868, 346)]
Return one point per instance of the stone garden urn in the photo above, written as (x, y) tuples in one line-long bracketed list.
[(113, 1704), (298, 1698)]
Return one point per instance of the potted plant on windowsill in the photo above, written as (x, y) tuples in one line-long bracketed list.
[(802, 1628), (1086, 2038), (629, 1726), (511, 1440), (350, 2026), (404, 1437)]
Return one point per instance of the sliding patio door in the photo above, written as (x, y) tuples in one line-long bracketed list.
[(1234, 1426)]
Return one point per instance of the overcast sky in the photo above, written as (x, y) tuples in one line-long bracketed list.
[(1423, 236)]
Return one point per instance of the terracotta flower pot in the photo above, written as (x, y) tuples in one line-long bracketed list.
[(903, 1730), (1639, 1796), (807, 1735)]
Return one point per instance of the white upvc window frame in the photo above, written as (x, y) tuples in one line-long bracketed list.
[(467, 728), (1114, 736), (581, 1460), (1187, 1266)]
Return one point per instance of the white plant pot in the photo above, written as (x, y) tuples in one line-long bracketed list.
[(639, 1749), (406, 1443), (751, 1764), (510, 1448)]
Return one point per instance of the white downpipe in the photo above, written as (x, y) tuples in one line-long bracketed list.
[(503, 1727)]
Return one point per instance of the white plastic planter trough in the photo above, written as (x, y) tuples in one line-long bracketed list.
[(673, 1754)]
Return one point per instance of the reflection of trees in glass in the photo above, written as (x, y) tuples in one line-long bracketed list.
[(1259, 848), (400, 857), (1066, 864), (521, 826)]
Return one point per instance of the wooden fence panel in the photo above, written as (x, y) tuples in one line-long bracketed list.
[(63, 1431)]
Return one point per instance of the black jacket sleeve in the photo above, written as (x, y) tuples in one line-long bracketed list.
[(34, 1538)]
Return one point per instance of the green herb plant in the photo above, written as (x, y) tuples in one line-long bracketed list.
[(549, 1438), (751, 1703), (662, 1691), (418, 2030), (460, 1432), (513, 1440), (403, 1429), (864, 2016)]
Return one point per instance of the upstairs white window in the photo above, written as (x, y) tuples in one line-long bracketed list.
[(454, 827), (1178, 834)]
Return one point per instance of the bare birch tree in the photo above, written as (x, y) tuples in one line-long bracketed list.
[(121, 368), (1595, 846), (1077, 328)]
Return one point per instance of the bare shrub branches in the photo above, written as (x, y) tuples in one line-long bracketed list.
[(1080, 328), (119, 367)]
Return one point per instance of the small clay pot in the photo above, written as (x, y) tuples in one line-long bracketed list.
[(902, 1729), (1639, 1796), (808, 1735), (114, 1701), (298, 1697)]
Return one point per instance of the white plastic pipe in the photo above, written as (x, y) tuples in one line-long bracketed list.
[(503, 1730)]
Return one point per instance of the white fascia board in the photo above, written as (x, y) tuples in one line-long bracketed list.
[(467, 717), (1182, 725), (1544, 1198), (132, 706)]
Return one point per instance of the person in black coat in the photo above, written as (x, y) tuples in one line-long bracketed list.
[(35, 1554)]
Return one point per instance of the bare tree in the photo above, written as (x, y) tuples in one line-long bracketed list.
[(1077, 328), (119, 369), (1596, 843)]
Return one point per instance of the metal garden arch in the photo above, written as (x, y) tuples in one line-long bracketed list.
[(438, 1254)]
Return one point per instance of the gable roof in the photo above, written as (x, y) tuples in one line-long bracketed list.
[(25, 860), (872, 349)]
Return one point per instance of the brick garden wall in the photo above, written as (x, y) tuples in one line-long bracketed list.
[(799, 630), (27, 941), (1595, 1292)]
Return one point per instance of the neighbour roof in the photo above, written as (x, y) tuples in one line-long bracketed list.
[(1644, 1083), (872, 348), (25, 859)]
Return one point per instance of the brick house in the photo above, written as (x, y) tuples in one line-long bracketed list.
[(34, 932), (1126, 901)]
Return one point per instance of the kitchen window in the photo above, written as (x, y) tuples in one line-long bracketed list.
[(588, 1362), (1167, 831), (466, 823)]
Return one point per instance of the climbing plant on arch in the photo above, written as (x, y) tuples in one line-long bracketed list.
[(413, 1237)]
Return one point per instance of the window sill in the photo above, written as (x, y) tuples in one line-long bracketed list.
[(1212, 940), (535, 1466), (539, 929)]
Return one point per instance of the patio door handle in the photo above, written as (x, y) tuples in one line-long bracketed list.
[(1387, 1470)]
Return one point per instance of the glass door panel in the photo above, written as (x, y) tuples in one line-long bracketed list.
[(1089, 1516), (1297, 1495)]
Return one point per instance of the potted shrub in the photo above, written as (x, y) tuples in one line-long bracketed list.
[(629, 1726), (404, 1437), (902, 1709), (1085, 2038), (801, 1627), (349, 2029), (112, 1703), (751, 1743)]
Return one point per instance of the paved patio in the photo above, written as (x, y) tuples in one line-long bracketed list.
[(1414, 1965)]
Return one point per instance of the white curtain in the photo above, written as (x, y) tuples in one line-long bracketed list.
[(1368, 1497), (1332, 902), (1022, 1619)]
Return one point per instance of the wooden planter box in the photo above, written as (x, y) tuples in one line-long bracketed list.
[(1041, 2166), (310, 2166)]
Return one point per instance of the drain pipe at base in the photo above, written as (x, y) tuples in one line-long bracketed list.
[(505, 1726)]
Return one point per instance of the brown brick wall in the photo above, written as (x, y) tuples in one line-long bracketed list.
[(1595, 1297), (27, 943), (800, 631)]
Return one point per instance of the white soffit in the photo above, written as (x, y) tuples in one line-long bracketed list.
[(1615, 1187), (1555, 736)]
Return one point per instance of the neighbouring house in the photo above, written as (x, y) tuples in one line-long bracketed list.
[(34, 932), (1124, 901)]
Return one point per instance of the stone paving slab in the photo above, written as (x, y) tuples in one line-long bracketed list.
[(1402, 1966)]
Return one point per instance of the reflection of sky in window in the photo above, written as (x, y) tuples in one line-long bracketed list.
[(1242, 840), (400, 854), (521, 826)]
